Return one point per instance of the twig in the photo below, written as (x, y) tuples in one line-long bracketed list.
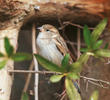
[(35, 61), (63, 97), (73, 48), (28, 78), (78, 48), (96, 84), (87, 86), (76, 25), (63, 31), (93, 79), (64, 92), (90, 80), (33, 72), (78, 43), (108, 62), (99, 82), (74, 43), (50, 72)]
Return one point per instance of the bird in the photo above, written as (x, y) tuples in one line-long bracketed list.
[(51, 45)]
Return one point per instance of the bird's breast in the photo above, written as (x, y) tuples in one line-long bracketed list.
[(44, 38), (49, 51)]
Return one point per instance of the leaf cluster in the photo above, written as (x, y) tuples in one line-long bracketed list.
[(11, 55), (92, 40)]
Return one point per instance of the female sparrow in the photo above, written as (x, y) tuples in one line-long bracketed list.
[(51, 45)]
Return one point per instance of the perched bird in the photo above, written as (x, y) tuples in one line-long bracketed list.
[(51, 45)]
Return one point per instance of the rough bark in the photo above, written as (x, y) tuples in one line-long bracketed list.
[(78, 11), (11, 19)]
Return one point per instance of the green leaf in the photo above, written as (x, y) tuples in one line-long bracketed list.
[(71, 90), (87, 36), (97, 44), (106, 45), (65, 61), (84, 49), (3, 63), (98, 30), (95, 95), (48, 64), (8, 47), (77, 66), (25, 97), (73, 75), (21, 56), (1, 54), (83, 58), (56, 78), (102, 53)]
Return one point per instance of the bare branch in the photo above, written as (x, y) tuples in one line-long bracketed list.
[(32, 71), (35, 60), (66, 23), (94, 81), (78, 44), (91, 80), (28, 79)]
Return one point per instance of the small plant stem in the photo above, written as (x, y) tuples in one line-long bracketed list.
[(34, 50), (28, 78), (78, 43), (33, 72)]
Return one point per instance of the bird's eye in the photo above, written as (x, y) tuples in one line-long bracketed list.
[(47, 30)]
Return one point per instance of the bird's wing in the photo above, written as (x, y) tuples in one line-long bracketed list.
[(61, 45)]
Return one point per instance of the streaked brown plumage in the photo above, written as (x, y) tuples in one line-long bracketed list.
[(51, 45)]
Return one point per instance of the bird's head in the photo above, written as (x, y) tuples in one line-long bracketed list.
[(49, 30)]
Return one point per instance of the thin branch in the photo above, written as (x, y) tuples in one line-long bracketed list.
[(50, 72), (63, 31), (78, 43), (89, 81), (76, 25), (97, 80), (28, 78), (32, 72), (73, 48), (93, 81), (74, 43), (87, 86), (34, 50), (63, 97), (96, 84)]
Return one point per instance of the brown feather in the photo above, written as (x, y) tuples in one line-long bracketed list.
[(61, 45)]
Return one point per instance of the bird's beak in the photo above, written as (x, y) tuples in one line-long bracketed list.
[(40, 28)]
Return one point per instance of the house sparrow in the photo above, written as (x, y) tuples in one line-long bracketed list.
[(51, 45)]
